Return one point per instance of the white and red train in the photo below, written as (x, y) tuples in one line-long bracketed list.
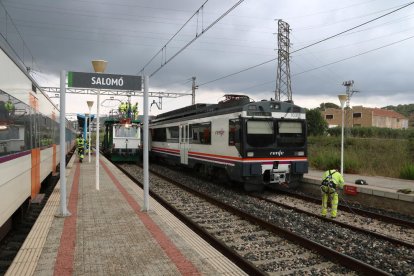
[(256, 144), (29, 138)]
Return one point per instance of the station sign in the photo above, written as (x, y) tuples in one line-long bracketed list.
[(104, 81)]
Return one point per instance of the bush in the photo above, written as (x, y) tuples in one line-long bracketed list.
[(372, 132), (407, 171), (367, 156)]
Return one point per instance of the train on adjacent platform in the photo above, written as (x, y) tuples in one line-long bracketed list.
[(122, 139), (29, 139), (256, 144)]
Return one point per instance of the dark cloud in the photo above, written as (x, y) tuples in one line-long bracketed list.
[(69, 34)]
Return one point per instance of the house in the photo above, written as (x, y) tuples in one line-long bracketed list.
[(366, 117)]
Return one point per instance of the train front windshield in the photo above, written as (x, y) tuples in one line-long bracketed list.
[(260, 133), (126, 131), (266, 133)]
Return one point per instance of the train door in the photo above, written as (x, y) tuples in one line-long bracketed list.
[(184, 143)]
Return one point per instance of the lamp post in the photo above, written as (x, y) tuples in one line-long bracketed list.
[(99, 66), (64, 212), (342, 100), (90, 104)]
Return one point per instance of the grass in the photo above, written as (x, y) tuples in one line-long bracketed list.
[(366, 156), (407, 171)]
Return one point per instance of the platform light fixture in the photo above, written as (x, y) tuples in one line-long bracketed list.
[(342, 99), (99, 66)]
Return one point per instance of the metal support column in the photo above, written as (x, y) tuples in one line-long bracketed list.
[(62, 140)]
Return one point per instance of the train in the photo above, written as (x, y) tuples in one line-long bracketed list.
[(257, 144), (122, 139), (29, 138)]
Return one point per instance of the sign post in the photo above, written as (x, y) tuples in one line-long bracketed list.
[(145, 146), (99, 81)]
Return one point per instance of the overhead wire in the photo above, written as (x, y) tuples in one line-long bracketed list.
[(357, 55), (345, 20), (179, 30), (336, 61), (197, 36), (7, 15), (353, 28), (331, 10)]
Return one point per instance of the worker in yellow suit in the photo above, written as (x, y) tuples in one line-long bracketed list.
[(135, 111), (331, 181)]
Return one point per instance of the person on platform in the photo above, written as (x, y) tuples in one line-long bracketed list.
[(9, 107), (123, 109), (80, 144), (135, 111), (331, 181)]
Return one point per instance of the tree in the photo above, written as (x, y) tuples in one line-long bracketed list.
[(316, 123), (322, 106)]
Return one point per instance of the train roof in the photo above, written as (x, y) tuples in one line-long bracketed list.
[(111, 121), (232, 103)]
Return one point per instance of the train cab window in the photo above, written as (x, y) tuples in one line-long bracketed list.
[(200, 133), (290, 134), (126, 131), (260, 133), (234, 132)]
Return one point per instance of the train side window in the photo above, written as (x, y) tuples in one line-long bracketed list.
[(14, 126), (159, 135), (200, 133), (234, 132), (173, 134)]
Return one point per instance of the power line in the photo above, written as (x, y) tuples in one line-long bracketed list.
[(334, 62), (357, 55), (312, 44), (238, 72), (7, 15), (353, 28), (196, 37), (165, 45), (346, 19)]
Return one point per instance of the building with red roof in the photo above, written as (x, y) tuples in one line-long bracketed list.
[(366, 117)]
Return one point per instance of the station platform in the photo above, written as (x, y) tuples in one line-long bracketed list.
[(392, 184), (108, 233)]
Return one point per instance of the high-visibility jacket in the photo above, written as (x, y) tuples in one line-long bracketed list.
[(123, 107), (335, 177), (9, 106), (79, 142)]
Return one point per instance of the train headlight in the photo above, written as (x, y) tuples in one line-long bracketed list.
[(275, 106), (250, 154), (299, 153)]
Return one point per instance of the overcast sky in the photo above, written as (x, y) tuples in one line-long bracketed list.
[(378, 56)]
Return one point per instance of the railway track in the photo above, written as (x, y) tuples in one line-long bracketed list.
[(393, 230), (278, 240), (378, 214)]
